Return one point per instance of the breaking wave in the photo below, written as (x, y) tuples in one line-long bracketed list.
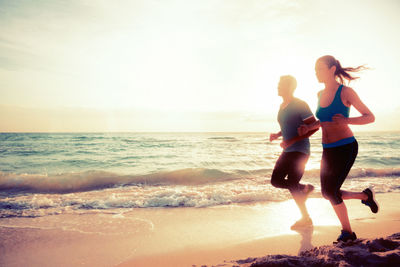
[(97, 180)]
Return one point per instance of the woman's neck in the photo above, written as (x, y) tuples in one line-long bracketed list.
[(331, 85)]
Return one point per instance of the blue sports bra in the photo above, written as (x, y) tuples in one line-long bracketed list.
[(336, 107)]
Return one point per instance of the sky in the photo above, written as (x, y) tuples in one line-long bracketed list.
[(185, 65)]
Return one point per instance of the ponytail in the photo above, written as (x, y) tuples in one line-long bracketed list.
[(342, 73)]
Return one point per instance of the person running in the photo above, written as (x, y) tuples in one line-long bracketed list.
[(293, 112), (340, 148)]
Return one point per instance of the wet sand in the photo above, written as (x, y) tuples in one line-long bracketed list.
[(184, 236)]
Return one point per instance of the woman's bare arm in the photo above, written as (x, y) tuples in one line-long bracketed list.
[(366, 115)]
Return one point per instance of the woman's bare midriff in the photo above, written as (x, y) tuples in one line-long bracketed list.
[(332, 132)]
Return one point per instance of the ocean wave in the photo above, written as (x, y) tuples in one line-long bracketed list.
[(121, 198), (81, 138), (381, 161), (118, 199), (373, 172), (12, 137), (109, 192), (224, 138), (361, 172), (94, 180)]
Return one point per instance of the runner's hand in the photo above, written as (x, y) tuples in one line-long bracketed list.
[(302, 130), (285, 144), (273, 137), (339, 119)]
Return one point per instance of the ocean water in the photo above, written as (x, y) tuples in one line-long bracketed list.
[(44, 173)]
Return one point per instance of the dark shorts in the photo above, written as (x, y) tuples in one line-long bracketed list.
[(335, 166), (289, 168)]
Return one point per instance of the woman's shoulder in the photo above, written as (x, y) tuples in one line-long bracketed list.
[(346, 88), (348, 91), (349, 96)]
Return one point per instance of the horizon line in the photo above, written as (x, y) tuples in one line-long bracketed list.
[(143, 132)]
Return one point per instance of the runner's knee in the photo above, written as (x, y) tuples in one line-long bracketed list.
[(334, 196), (278, 182)]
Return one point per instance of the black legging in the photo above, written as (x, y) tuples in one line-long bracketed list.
[(290, 164), (335, 165)]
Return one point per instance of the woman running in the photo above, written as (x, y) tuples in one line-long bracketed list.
[(340, 148)]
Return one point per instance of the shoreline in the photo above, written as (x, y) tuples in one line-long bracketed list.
[(290, 243), (184, 236)]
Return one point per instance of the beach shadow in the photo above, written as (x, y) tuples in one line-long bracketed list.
[(306, 237), (365, 218)]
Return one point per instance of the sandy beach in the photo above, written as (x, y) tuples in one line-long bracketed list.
[(210, 236)]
